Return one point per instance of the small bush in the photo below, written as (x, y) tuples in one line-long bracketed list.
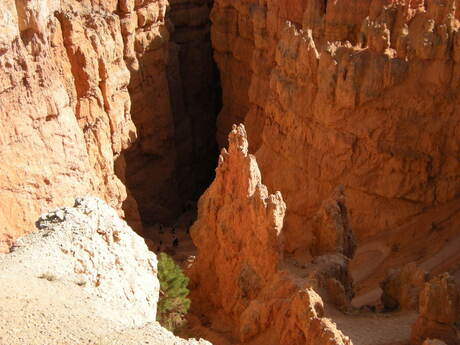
[(173, 303)]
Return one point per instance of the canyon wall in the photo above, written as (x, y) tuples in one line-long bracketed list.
[(175, 104), (118, 98), (83, 81), (64, 108), (361, 93)]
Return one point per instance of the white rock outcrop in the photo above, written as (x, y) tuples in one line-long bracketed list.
[(89, 245), (83, 278)]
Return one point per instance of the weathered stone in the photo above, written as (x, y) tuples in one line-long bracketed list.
[(85, 276), (237, 215), (438, 306), (91, 245), (65, 106), (331, 228), (239, 273), (345, 92), (401, 289)]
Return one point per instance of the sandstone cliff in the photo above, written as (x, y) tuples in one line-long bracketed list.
[(360, 93), (117, 99), (64, 105), (83, 81)]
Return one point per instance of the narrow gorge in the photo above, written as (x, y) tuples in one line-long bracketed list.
[(306, 153)]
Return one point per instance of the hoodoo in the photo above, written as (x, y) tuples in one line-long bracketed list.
[(240, 273)]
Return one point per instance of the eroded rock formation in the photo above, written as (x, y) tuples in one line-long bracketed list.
[(237, 215), (64, 106), (360, 93), (438, 306), (401, 289), (355, 92), (331, 228), (239, 274), (80, 83)]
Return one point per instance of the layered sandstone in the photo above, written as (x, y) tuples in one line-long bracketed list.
[(359, 93), (64, 105), (240, 277), (83, 81)]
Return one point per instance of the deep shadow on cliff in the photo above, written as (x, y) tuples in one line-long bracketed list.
[(176, 96)]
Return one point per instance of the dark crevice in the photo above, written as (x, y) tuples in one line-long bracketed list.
[(173, 160)]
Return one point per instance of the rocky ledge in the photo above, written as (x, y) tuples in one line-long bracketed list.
[(84, 278)]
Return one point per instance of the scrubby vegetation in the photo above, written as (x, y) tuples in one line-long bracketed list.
[(173, 303)]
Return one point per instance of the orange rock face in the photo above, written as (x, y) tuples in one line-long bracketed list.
[(238, 230), (359, 93), (331, 229), (240, 275), (83, 81), (65, 108)]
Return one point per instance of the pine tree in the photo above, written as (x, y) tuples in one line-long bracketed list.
[(173, 303)]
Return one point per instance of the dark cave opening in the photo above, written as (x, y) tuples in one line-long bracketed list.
[(174, 108)]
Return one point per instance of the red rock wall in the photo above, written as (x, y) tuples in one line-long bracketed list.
[(361, 93), (83, 81), (65, 108)]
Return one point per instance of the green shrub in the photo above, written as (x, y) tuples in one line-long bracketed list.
[(173, 303)]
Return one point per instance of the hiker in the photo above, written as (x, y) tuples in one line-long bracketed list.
[(175, 242)]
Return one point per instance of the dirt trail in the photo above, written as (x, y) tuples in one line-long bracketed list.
[(367, 328)]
